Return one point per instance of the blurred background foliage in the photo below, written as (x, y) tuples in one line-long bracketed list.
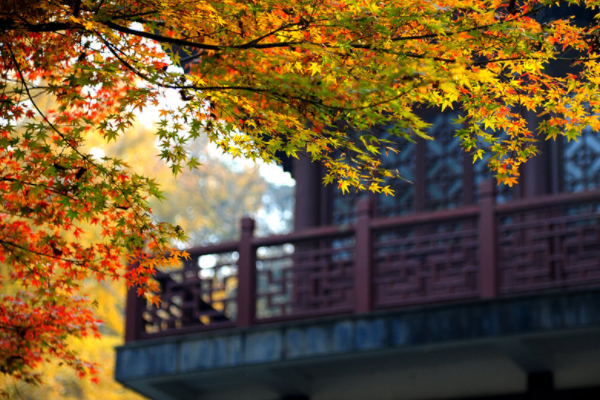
[(207, 203)]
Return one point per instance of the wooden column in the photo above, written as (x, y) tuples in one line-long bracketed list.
[(468, 178), (134, 319), (246, 275), (420, 175), (488, 247), (307, 211), (537, 172), (363, 272)]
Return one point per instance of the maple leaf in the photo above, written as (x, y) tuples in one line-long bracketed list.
[(314, 68)]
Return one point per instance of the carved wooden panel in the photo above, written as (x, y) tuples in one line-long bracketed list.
[(344, 206), (305, 277), (556, 247), (444, 165), (404, 189), (582, 162), (202, 293), (425, 263), (481, 173)]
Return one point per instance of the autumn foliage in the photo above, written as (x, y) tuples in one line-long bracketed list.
[(263, 78)]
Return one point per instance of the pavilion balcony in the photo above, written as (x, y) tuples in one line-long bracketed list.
[(482, 251), (480, 301)]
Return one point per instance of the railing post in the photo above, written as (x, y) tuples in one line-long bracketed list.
[(363, 286), (134, 318), (246, 275), (488, 233)]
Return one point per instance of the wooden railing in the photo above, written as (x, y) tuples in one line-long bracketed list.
[(475, 252)]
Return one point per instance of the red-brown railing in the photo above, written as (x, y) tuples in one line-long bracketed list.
[(475, 252)]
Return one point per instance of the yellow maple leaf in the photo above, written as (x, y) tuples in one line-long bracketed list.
[(314, 68)]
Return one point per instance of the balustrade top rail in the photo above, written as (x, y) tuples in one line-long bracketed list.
[(474, 252)]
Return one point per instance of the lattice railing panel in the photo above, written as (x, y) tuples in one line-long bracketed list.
[(310, 276), (201, 294), (425, 263), (527, 246), (556, 247)]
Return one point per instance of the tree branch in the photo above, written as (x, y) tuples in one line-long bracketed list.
[(8, 24)]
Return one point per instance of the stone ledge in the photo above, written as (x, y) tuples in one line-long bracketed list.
[(351, 335)]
